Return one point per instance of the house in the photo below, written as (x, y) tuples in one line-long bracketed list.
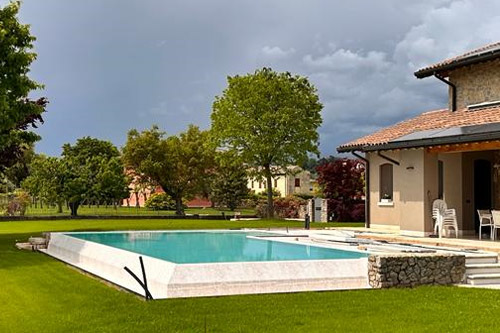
[(452, 153), (139, 194), (295, 181)]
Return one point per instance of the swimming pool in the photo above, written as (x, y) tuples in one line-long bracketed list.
[(186, 247), (211, 262)]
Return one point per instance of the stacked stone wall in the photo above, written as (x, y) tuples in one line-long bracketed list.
[(477, 83), (409, 270)]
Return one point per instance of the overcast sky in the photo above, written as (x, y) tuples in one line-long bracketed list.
[(109, 66)]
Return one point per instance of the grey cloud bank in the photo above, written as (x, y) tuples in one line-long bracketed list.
[(109, 66)]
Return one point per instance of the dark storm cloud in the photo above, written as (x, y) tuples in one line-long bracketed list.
[(109, 66)]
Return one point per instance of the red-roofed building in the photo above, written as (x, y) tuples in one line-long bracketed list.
[(139, 194), (452, 153)]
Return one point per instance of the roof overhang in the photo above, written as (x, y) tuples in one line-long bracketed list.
[(444, 69), (439, 137)]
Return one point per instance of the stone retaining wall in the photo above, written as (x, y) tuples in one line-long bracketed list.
[(408, 270)]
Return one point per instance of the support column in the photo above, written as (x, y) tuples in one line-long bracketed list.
[(496, 179)]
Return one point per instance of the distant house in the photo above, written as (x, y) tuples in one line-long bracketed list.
[(451, 153), (139, 195), (295, 181)]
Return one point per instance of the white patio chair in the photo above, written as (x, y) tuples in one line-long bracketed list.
[(485, 220), (438, 210), (449, 220), (496, 222)]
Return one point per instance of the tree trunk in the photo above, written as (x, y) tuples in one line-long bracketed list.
[(269, 181), (179, 209), (137, 199), (73, 206), (59, 207)]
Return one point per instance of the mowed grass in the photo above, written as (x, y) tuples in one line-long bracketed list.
[(41, 294), (120, 211)]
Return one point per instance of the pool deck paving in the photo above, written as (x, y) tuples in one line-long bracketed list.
[(392, 236)]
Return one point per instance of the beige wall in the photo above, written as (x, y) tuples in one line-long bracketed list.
[(477, 83), (383, 214), (285, 184), (415, 186), (452, 189)]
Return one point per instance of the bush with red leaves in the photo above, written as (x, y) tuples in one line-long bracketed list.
[(342, 182)]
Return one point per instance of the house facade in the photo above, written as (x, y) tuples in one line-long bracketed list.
[(451, 154), (296, 181)]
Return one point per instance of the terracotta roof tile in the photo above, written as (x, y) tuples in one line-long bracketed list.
[(438, 119), (494, 47)]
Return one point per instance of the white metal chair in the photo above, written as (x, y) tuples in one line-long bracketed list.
[(485, 220), (449, 220), (496, 222), (438, 211)]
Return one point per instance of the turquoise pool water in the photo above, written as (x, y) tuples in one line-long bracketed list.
[(212, 246)]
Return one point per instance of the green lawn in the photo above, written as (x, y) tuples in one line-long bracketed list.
[(103, 210), (40, 294)]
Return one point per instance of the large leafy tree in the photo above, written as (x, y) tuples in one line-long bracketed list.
[(229, 184), (179, 164), (18, 113), (92, 171), (342, 181), (269, 120), (45, 181)]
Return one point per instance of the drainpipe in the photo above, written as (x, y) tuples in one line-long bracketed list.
[(453, 91), (367, 188), (387, 158)]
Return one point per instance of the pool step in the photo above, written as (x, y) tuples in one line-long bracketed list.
[(483, 279), (482, 269), (481, 259), (473, 269)]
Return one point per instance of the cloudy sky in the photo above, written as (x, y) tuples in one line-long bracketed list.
[(109, 66)]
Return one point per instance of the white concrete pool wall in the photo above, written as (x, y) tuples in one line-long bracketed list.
[(170, 280)]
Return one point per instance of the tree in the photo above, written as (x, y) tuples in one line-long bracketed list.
[(21, 168), (229, 185), (92, 170), (45, 181), (269, 120), (179, 164), (110, 181), (312, 163), (17, 112), (342, 181)]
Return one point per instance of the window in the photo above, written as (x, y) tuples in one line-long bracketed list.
[(275, 182), (440, 180), (252, 183), (297, 182), (386, 182), (260, 184)]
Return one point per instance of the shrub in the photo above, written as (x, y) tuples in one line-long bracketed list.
[(160, 201), (353, 211), (18, 203), (253, 200), (342, 182), (287, 207), (304, 196)]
